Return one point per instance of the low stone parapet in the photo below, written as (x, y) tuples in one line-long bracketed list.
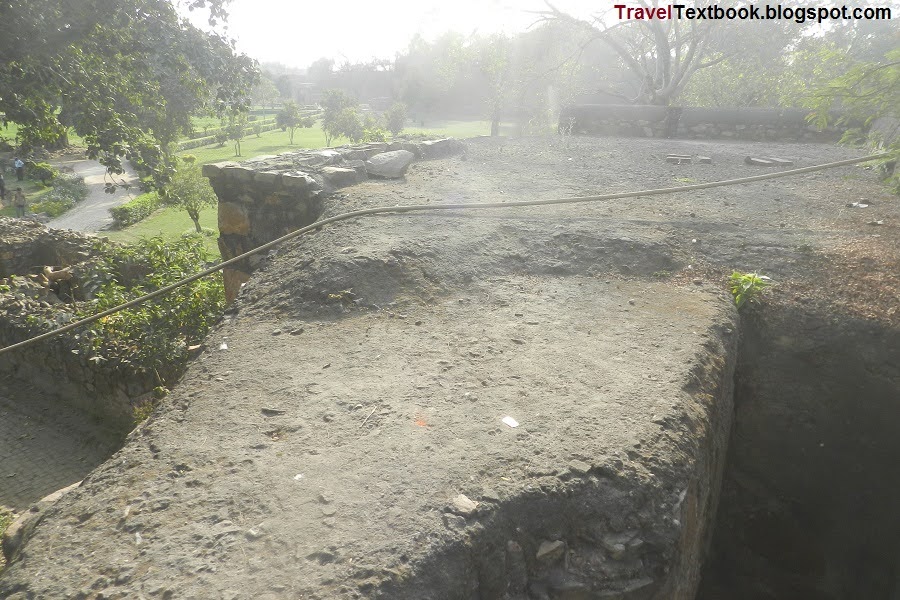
[(759, 124), (264, 198)]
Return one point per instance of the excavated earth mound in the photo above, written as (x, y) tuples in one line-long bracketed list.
[(529, 403)]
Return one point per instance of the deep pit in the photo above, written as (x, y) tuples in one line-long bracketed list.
[(808, 509)]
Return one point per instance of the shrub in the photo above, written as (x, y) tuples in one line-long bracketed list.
[(154, 336), (395, 118), (68, 189), (135, 210), (41, 171)]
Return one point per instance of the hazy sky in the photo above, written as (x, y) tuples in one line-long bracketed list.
[(296, 32)]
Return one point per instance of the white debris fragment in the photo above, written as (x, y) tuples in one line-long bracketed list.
[(510, 421)]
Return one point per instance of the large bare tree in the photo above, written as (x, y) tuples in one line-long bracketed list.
[(661, 55)]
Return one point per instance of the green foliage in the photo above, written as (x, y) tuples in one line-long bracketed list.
[(340, 117), (395, 118), (290, 118), (373, 131), (748, 287), (237, 127), (141, 412), (68, 189), (864, 93), (135, 210), (126, 76), (43, 172), (153, 336), (190, 191)]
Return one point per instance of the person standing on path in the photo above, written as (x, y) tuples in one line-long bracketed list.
[(20, 202), (20, 168), (2, 189)]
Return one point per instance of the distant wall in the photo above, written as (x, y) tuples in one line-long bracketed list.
[(266, 197), (772, 124)]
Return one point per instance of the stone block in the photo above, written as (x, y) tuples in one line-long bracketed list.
[(215, 169), (238, 174), (360, 168), (267, 178), (233, 219), (441, 148), (338, 177), (390, 165), (297, 182)]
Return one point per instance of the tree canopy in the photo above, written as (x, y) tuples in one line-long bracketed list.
[(126, 75)]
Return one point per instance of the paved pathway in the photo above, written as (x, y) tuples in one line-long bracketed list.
[(43, 447), (92, 214)]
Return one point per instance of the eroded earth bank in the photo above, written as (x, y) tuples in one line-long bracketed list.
[(342, 434)]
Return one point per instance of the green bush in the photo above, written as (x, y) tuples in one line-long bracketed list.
[(43, 172), (135, 210), (154, 336), (68, 189)]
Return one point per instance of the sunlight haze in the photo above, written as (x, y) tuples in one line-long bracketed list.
[(296, 34)]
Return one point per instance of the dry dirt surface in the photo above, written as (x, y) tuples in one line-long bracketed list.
[(342, 434)]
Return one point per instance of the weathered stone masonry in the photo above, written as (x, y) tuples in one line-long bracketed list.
[(759, 124), (56, 367), (266, 197)]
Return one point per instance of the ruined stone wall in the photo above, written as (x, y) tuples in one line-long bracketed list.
[(56, 367), (758, 124), (266, 197)]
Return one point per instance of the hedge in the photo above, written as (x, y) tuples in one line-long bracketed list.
[(135, 210)]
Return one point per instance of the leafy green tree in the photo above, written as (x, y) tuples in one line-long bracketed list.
[(290, 117), (236, 129), (395, 117), (340, 117), (189, 190), (265, 93), (865, 93), (126, 75)]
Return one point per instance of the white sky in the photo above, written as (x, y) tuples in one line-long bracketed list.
[(297, 32)]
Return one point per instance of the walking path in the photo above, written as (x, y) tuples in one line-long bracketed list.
[(92, 213)]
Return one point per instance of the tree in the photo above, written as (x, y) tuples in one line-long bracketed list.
[(265, 93), (126, 75), (662, 55), (395, 118), (290, 118), (491, 56), (865, 93), (189, 190), (339, 116), (236, 129)]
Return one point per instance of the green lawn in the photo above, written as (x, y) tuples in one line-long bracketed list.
[(169, 223), (34, 192)]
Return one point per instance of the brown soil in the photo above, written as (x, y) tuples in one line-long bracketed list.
[(368, 366)]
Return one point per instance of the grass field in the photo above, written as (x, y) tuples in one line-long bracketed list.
[(33, 192), (170, 223)]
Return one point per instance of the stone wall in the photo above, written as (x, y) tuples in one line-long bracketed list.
[(56, 367), (266, 197), (785, 125)]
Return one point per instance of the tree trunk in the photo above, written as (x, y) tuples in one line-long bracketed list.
[(195, 217), (495, 125)]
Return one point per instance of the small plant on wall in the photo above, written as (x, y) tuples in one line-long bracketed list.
[(748, 287)]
